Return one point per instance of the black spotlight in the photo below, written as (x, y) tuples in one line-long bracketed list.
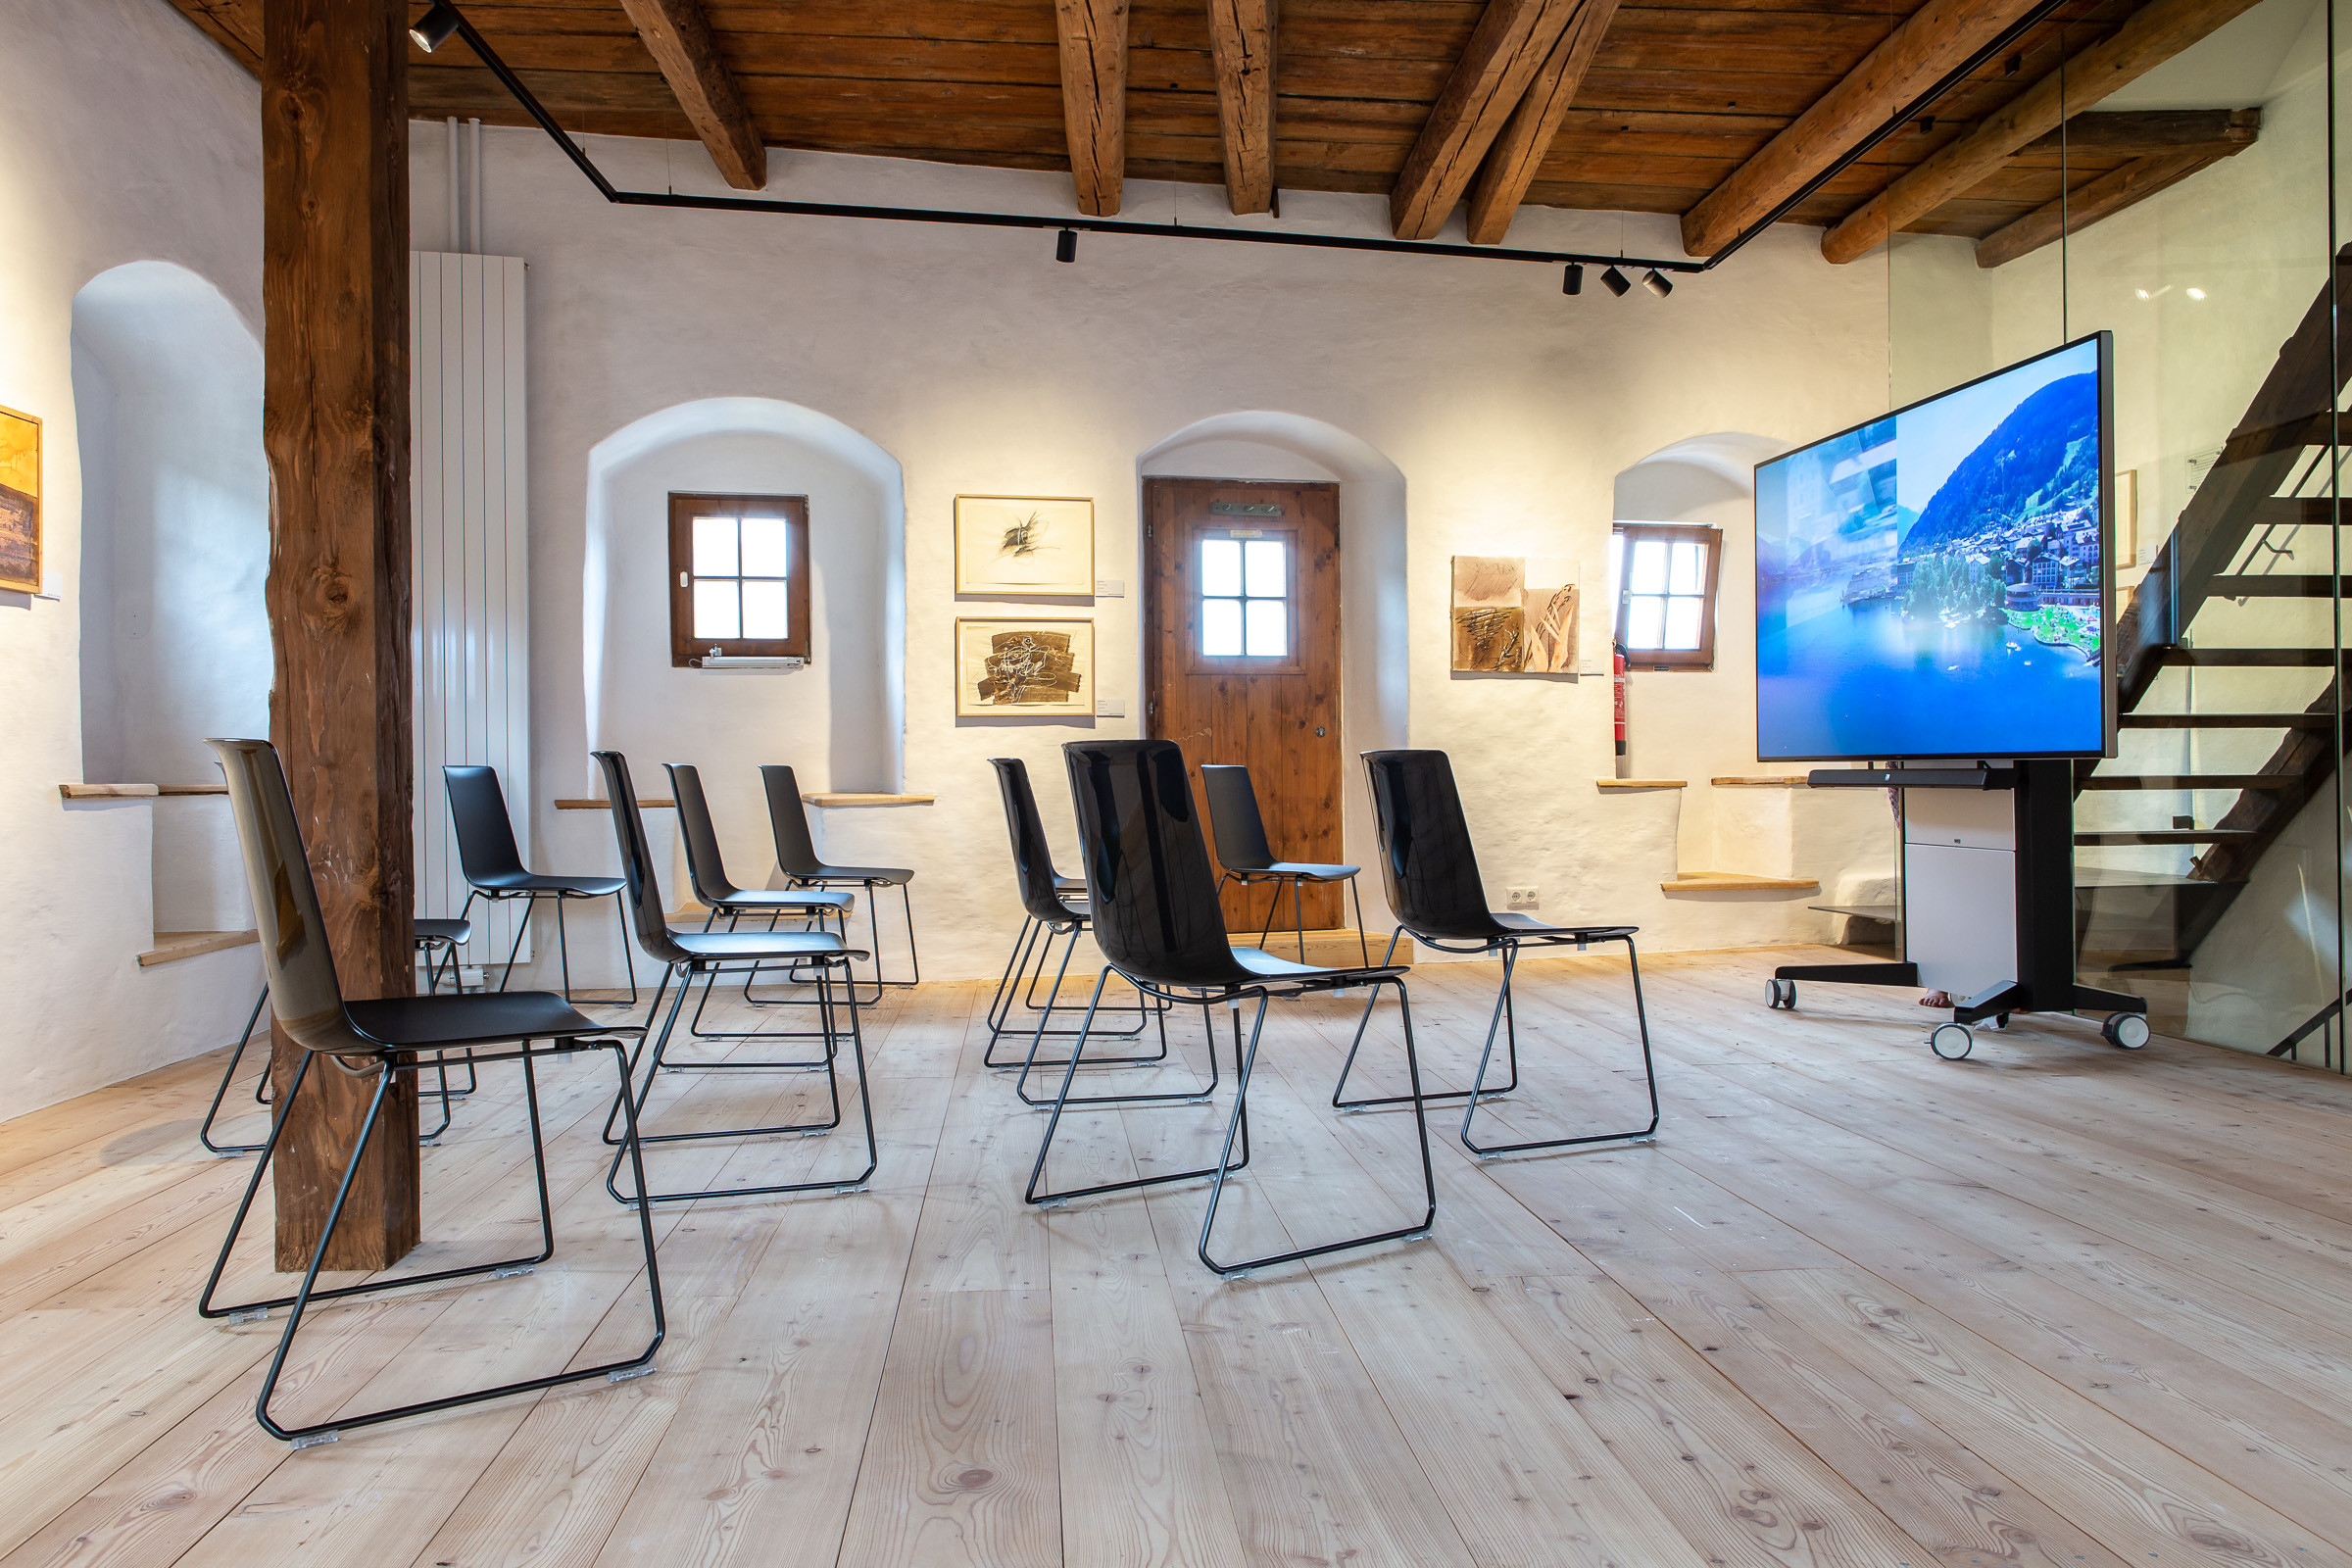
[(1657, 282), (1065, 248), (432, 29), (1574, 281), (1617, 282)]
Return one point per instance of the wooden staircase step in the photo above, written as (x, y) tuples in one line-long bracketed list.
[(2169, 835), (2191, 781)]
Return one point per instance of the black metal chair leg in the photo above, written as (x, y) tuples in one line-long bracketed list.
[(1226, 1165), (1298, 918), (1148, 1010), (1363, 943), (564, 947), (628, 956), (203, 1129), (522, 928), (1020, 1085), (1649, 1072)]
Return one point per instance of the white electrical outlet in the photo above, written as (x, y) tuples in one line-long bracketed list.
[(1523, 898)]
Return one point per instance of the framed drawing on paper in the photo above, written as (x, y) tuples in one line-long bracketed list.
[(1024, 669), (1025, 545), (20, 502)]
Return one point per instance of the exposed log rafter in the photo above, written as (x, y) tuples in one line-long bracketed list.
[(677, 35), (1240, 40), (1933, 40), (2155, 33), (2158, 167), (1093, 36), (1508, 46), (1518, 152)]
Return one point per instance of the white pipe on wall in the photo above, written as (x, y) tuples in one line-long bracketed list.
[(457, 240), (477, 235)]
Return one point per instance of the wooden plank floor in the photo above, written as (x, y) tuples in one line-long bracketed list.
[(2057, 1305)]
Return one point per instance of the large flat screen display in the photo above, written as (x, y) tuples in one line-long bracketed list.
[(1936, 583)]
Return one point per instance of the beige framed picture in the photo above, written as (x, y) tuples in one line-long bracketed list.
[(1024, 669), (1017, 545), (20, 502)]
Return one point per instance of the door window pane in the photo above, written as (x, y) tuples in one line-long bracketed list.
[(1220, 627), (1269, 635), (766, 607), (1263, 561), (1221, 567), (714, 547), (766, 550), (717, 610)]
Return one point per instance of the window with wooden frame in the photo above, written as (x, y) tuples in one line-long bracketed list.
[(738, 578), (1664, 573)]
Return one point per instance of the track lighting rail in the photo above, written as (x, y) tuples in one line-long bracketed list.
[(444, 19)]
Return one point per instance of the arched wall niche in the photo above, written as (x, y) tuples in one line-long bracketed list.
[(1708, 479), (840, 722), (1268, 444), (174, 524)]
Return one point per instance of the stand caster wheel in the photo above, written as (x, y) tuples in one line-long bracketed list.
[(1951, 1041), (1781, 995), (2127, 1031)]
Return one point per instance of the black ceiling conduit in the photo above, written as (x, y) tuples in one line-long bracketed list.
[(1247, 236)]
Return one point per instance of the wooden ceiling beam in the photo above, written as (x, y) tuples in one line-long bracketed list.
[(677, 35), (1508, 46), (1093, 36), (1933, 40), (2103, 197), (2148, 132), (2152, 35), (1240, 42), (1519, 150)]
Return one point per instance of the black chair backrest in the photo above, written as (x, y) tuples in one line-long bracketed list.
[(788, 817), (1151, 893), (1233, 820), (477, 812), (637, 863), (305, 994), (1032, 857), (1425, 855), (703, 867)]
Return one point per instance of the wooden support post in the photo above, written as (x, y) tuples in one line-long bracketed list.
[(335, 427)]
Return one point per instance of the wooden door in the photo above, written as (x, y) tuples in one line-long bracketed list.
[(1242, 659)]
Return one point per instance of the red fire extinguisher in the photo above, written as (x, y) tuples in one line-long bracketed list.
[(1617, 671)]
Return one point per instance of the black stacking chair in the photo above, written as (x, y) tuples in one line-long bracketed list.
[(1157, 918), (494, 870), (374, 1040), (1241, 849), (1052, 908), (687, 956), (433, 937), (1432, 874), (706, 869), (796, 855)]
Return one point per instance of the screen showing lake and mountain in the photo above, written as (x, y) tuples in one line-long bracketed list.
[(1934, 583)]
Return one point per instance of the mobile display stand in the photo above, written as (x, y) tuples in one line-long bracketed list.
[(1988, 900)]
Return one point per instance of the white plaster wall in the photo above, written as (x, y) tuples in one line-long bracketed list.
[(978, 363), (125, 136)]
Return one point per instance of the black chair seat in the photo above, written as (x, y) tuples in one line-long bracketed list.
[(432, 1023), (755, 947), (888, 875), (586, 887), (1527, 926), (1263, 966), (1305, 871), (460, 932), (780, 899), (1069, 885)]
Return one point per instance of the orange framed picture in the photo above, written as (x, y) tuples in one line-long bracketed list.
[(20, 502)]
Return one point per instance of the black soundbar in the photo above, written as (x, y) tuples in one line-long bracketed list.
[(1913, 778)]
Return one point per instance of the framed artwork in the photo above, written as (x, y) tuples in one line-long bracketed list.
[(1025, 545), (20, 502), (1024, 669), (1515, 615)]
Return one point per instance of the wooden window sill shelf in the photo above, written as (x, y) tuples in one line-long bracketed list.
[(643, 803), (1736, 882), (852, 797), (173, 946), (1643, 783), (1762, 781)]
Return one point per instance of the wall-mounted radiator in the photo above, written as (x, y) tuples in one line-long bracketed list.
[(473, 609)]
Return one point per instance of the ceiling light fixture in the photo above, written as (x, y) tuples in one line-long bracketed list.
[(1616, 281), (1656, 282), (432, 29), (1065, 248), (1573, 280)]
